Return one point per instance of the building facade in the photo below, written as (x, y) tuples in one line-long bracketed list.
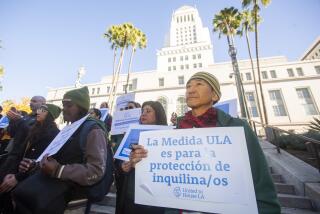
[(291, 89)]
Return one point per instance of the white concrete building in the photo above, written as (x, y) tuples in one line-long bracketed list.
[(291, 89), (313, 52), (189, 45)]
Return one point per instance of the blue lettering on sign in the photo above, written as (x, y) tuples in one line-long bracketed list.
[(218, 140), (183, 178), (183, 141)]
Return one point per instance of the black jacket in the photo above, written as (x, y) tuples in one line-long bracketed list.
[(20, 150)]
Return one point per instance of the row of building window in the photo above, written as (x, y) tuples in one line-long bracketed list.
[(290, 72), (95, 91), (133, 85), (180, 81), (185, 18), (277, 102), (186, 57), (186, 67), (278, 105)]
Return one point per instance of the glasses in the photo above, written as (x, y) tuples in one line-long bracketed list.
[(42, 110)]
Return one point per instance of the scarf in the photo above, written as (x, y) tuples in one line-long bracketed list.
[(208, 119)]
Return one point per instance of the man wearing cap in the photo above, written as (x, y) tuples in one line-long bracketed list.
[(64, 175), (202, 92)]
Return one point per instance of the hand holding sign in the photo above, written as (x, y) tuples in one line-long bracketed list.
[(137, 154), (208, 167)]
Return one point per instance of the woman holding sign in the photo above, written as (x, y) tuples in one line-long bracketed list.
[(202, 92), (152, 114)]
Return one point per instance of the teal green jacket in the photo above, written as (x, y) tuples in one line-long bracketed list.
[(266, 195)]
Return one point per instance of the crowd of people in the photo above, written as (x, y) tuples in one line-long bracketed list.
[(46, 186)]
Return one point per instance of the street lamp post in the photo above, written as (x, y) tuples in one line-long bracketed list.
[(233, 55)]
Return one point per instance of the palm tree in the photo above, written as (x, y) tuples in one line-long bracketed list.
[(247, 25), (226, 22), (256, 8), (111, 36), (137, 40), (120, 37)]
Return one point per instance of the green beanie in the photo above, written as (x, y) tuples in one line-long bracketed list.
[(78, 96), (53, 110), (210, 79)]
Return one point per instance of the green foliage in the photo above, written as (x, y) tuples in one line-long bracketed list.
[(247, 22), (293, 142), (227, 21), (125, 35), (315, 125), (247, 3)]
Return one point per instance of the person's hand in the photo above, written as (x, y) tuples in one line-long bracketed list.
[(26, 164), (8, 183), (49, 165), (126, 166), (173, 118), (12, 115), (138, 152)]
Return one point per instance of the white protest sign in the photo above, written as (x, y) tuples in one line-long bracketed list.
[(204, 169), (62, 138), (104, 113), (122, 101), (132, 137), (122, 120)]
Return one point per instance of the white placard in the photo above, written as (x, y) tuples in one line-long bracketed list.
[(62, 138), (132, 137), (204, 169), (104, 113), (123, 119), (122, 101)]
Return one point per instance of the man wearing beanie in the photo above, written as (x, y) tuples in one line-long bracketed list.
[(79, 163), (202, 91)]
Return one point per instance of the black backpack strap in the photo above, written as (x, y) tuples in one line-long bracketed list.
[(97, 191), (86, 127)]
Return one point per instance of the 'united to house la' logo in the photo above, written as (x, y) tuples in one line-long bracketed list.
[(177, 192)]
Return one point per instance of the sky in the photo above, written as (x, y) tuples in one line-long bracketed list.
[(45, 42)]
